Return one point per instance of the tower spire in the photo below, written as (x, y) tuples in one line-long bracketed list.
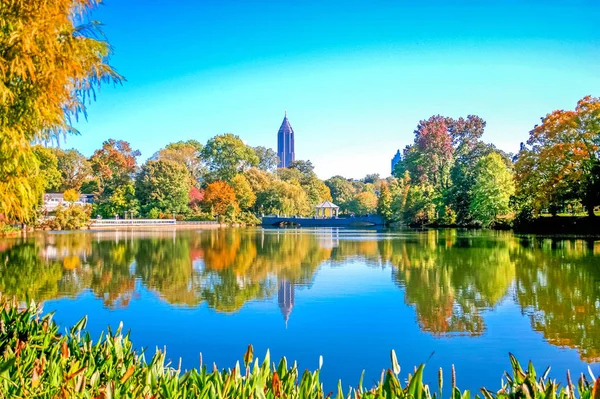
[(285, 113)]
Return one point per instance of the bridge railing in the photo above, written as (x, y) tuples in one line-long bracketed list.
[(132, 222)]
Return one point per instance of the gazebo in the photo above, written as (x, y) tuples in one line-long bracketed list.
[(322, 207)]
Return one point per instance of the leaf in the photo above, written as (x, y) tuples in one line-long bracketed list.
[(128, 374), (415, 386), (395, 365), (596, 389), (249, 355)]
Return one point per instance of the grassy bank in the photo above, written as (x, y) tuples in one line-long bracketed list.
[(38, 362)]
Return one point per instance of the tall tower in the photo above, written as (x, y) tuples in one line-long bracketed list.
[(397, 158), (285, 144)]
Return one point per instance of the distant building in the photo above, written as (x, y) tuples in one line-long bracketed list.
[(285, 299), (52, 200), (285, 144), (397, 158)]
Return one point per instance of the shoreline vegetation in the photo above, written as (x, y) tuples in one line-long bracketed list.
[(49, 364)]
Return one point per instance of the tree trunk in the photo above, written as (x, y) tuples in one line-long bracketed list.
[(590, 211)]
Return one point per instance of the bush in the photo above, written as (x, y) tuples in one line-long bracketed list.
[(72, 217), (40, 362), (153, 213)]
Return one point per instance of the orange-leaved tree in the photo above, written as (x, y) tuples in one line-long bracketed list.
[(218, 196), (561, 159)]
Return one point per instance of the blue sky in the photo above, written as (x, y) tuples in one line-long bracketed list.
[(354, 77)]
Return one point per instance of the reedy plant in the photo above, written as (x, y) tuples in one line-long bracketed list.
[(38, 362)]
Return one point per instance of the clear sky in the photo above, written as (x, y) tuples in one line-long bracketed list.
[(354, 76)]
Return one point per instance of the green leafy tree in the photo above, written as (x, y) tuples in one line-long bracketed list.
[(493, 187), (74, 168), (163, 185), (52, 58), (306, 169), (49, 173), (227, 155), (122, 199), (342, 191), (267, 159), (186, 153)]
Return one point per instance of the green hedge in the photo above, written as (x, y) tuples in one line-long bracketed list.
[(38, 362)]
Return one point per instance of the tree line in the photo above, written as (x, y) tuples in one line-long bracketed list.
[(223, 177), (450, 176), (447, 176)]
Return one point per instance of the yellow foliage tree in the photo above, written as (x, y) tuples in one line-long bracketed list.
[(51, 60), (70, 195)]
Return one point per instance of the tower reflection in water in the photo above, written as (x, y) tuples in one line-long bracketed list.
[(285, 298)]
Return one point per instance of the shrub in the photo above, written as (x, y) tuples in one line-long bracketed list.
[(72, 217)]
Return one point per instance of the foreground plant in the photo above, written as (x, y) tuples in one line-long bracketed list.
[(39, 362)]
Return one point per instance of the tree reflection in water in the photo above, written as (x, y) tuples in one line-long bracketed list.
[(450, 278)]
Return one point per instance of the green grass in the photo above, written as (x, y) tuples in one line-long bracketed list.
[(38, 362)]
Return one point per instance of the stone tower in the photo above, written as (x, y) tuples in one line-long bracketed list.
[(285, 144)]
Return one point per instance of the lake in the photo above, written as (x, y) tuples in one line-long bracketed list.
[(443, 297)]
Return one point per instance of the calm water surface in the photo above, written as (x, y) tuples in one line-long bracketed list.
[(468, 298)]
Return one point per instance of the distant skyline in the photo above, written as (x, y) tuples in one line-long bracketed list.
[(354, 77)]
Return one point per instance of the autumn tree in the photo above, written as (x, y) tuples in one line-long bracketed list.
[(384, 202), (430, 158), (114, 166), (258, 179), (316, 191), (243, 192), (71, 195), (163, 185), (218, 195), (290, 175), (283, 198), (363, 203), (52, 59), (227, 155), (560, 160), (493, 187)]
